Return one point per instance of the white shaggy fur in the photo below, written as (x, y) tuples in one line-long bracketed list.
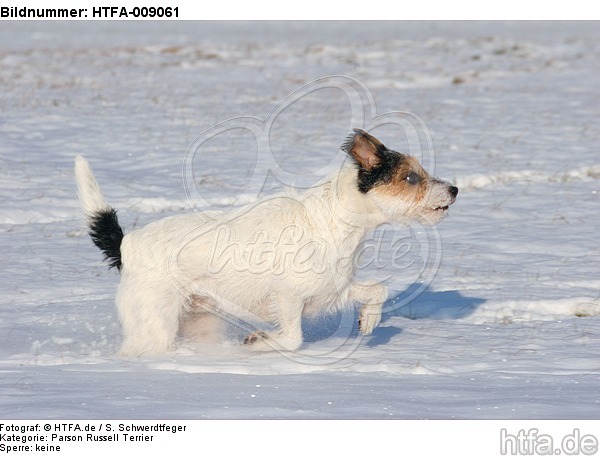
[(275, 260)]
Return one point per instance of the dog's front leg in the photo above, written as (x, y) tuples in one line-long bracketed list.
[(372, 296), (288, 312)]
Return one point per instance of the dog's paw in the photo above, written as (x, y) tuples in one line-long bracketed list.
[(368, 321), (263, 341), (255, 337), (260, 341)]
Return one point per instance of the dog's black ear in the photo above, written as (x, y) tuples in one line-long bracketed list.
[(366, 150)]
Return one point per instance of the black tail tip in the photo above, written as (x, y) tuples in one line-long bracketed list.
[(106, 233)]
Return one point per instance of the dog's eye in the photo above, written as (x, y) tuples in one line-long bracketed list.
[(413, 178)]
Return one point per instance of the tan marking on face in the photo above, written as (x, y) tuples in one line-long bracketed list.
[(399, 186)]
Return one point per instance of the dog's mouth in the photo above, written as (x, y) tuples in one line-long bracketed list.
[(439, 209), (442, 208)]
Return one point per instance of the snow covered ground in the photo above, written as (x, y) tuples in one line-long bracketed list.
[(504, 324)]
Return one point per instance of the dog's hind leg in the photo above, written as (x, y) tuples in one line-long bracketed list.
[(202, 327), (149, 316)]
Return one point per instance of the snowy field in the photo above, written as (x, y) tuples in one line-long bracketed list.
[(494, 314)]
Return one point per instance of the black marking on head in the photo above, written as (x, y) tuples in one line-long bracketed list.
[(107, 236), (376, 163), (383, 174)]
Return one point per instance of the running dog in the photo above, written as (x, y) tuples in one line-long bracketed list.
[(275, 260)]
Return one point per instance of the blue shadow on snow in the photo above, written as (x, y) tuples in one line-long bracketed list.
[(412, 303)]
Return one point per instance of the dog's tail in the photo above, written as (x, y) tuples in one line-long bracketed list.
[(102, 220)]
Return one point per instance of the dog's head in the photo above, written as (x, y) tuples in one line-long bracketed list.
[(397, 183)]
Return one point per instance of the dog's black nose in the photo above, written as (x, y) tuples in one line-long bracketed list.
[(453, 190)]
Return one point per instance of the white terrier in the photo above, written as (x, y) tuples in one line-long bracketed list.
[(277, 260)]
